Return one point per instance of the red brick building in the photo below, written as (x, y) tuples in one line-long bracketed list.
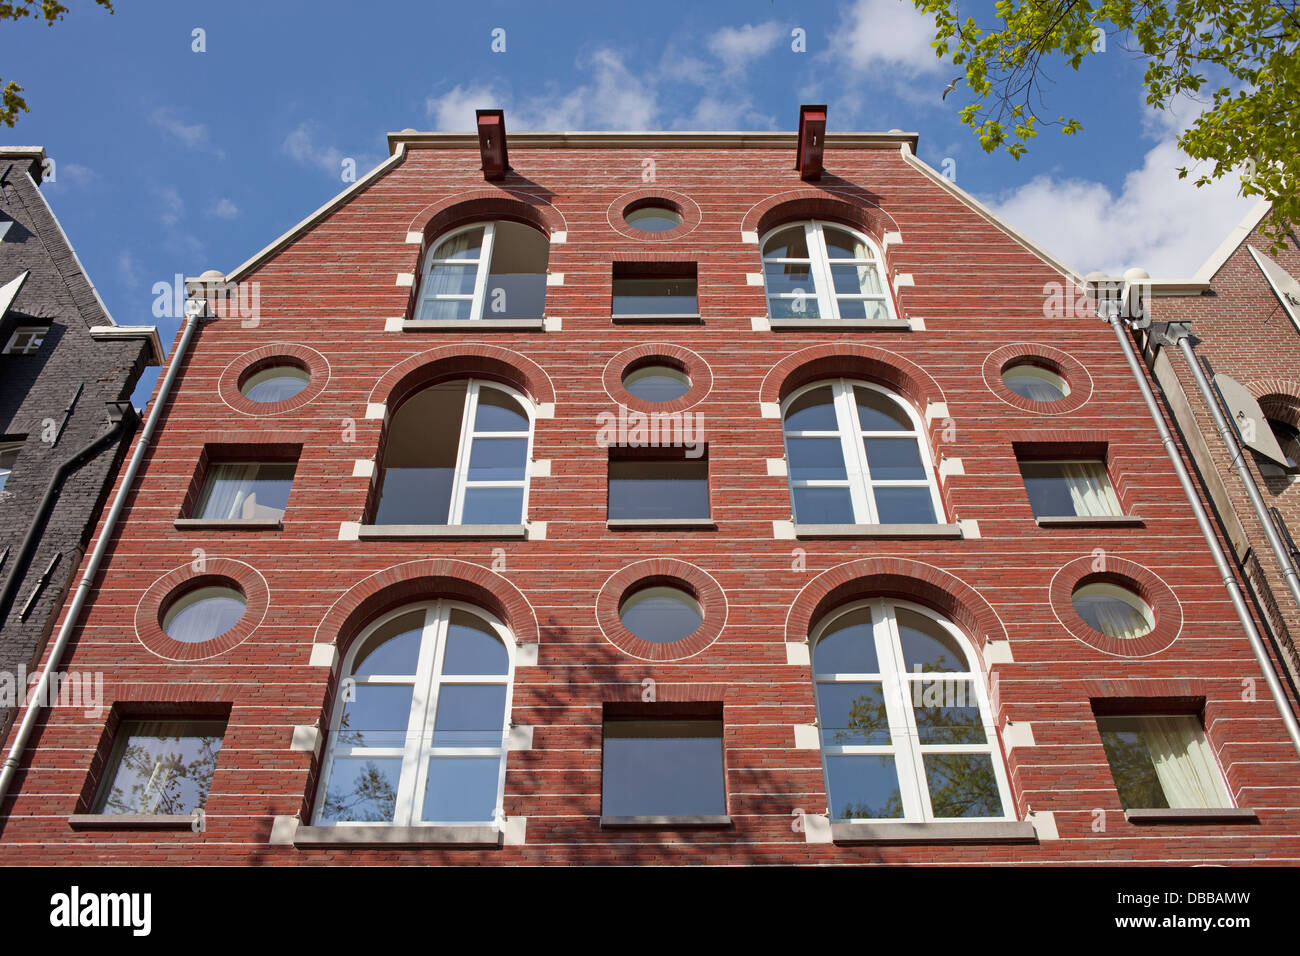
[(656, 498)]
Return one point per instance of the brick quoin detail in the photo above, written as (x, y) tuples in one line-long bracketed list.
[(661, 571), (675, 356), (200, 573), (1044, 356), (1166, 610), (683, 205)]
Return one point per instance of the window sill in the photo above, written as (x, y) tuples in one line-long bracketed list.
[(877, 531), (674, 822), (131, 821), (344, 835), (628, 524), (855, 325), (473, 325), (1193, 815), (967, 831), (382, 532), (229, 524), (1090, 521), (651, 318)]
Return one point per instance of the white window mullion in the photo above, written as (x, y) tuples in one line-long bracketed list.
[(464, 446), (846, 416), (821, 272), (902, 721), (484, 266)]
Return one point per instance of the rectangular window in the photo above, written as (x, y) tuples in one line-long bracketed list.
[(650, 489), (236, 490), (1069, 488), (655, 289), (663, 768), (26, 340), (160, 767), (1162, 761), (8, 457)]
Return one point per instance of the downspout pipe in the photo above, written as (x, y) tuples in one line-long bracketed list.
[(194, 309), (1110, 311), (37, 525), (1182, 336)]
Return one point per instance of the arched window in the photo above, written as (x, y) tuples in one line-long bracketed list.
[(857, 454), (457, 453), (906, 728), (418, 733), (820, 270), (488, 270)]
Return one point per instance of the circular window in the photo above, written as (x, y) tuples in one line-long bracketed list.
[(654, 217), (661, 615), (203, 614), (1035, 383), (657, 383), (275, 384), (1113, 610)]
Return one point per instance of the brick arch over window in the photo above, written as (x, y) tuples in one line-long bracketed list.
[(898, 578), (485, 204), (426, 580), (835, 360), (800, 204), (462, 361), (1278, 398)]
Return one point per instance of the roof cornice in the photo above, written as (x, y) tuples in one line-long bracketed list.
[(641, 139)]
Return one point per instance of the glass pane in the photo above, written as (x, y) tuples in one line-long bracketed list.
[(275, 384), (847, 646), (393, 649), (450, 280), (1104, 610), (658, 489), (462, 246), (461, 789), (653, 219), (1131, 763), (855, 280), (927, 645), (659, 295), (800, 307), (905, 505), (813, 459), (512, 295), (498, 459), (789, 277), (962, 785), (842, 245), (878, 412), (163, 767), (852, 713), (361, 790), (823, 506), (498, 412), (813, 411), (472, 647), (863, 787), (662, 768), (1033, 383), (204, 614), (420, 457), (445, 309), (414, 496), (947, 712), (661, 615), (470, 715), (894, 459), (657, 383), (377, 717), (239, 490), (493, 506), (1047, 489), (789, 243), (862, 309)]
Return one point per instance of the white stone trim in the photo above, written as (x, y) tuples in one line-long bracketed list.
[(519, 737), (807, 737), (917, 324), (526, 655), (350, 531), (783, 530), (760, 323), (1044, 822), (935, 410), (769, 409), (750, 238), (997, 652), (323, 655), (816, 828), (406, 279), (554, 278), (797, 654), (283, 830), (970, 528), (1018, 733), (376, 409), (363, 468), (777, 467), (541, 468), (537, 531), (552, 323), (393, 323), (754, 278), (414, 238), (545, 410), (902, 279), (305, 738), (951, 466), (515, 832)]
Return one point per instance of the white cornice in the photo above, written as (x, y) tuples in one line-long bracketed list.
[(651, 139)]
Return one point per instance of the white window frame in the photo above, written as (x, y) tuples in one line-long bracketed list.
[(819, 263), (858, 472), (37, 333), (418, 748), (477, 298), (896, 686)]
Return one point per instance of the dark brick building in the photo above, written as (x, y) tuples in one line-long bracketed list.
[(657, 498), (66, 376)]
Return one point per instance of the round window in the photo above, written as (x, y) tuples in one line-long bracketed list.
[(653, 218), (1035, 382), (275, 384), (204, 614), (661, 615), (1113, 610), (657, 383)]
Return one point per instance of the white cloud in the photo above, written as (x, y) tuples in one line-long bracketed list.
[(223, 209), (888, 34), (737, 47), (128, 271), (173, 207), (1156, 221), (190, 135), (301, 144), (454, 110)]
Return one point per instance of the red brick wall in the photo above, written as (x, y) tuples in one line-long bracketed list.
[(977, 290)]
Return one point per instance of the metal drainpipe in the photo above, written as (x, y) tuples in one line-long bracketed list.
[(1207, 529), (193, 311), (1184, 341)]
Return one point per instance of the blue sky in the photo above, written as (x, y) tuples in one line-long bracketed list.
[(170, 160)]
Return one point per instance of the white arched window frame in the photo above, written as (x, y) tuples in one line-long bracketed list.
[(420, 746), (463, 481), (840, 284), (448, 279), (903, 692), (857, 476)]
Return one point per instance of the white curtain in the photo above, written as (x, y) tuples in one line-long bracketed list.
[(446, 279), (1090, 490), (230, 492), (1185, 765), (1118, 619), (1040, 390)]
